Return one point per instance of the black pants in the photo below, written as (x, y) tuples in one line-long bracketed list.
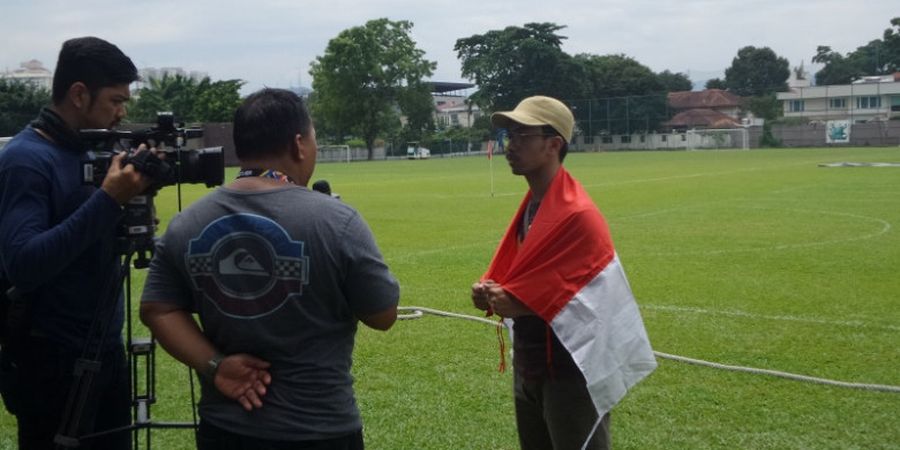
[(211, 437), (35, 387)]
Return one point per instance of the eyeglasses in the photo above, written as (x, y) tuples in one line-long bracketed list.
[(517, 138)]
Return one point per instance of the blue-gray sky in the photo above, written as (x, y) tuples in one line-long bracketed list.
[(272, 42)]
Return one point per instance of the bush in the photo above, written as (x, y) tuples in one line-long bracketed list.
[(768, 139)]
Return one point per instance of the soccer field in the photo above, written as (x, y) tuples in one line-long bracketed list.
[(756, 258)]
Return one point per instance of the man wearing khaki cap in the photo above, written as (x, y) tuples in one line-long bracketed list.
[(579, 341)]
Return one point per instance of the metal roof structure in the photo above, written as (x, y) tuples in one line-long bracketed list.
[(449, 88)]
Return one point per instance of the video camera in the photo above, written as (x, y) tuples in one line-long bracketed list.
[(180, 165), (206, 165)]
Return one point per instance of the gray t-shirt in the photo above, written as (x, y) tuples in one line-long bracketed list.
[(283, 275)]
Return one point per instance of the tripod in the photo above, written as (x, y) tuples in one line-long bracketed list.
[(141, 354)]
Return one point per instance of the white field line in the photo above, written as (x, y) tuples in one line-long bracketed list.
[(640, 180), (885, 228), (788, 318)]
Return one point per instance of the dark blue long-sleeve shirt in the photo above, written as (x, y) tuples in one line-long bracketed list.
[(57, 238)]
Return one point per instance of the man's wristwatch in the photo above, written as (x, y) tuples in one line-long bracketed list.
[(212, 366)]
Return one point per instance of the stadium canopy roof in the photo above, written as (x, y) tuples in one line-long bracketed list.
[(446, 87)]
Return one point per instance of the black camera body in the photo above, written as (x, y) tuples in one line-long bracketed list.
[(206, 165), (178, 165)]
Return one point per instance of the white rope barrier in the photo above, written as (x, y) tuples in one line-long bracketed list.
[(415, 312)]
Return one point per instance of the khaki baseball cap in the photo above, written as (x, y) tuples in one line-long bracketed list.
[(538, 111)]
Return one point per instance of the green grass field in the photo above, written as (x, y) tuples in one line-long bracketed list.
[(757, 258)]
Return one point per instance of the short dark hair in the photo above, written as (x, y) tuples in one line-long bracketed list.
[(92, 61), (267, 121), (550, 131)]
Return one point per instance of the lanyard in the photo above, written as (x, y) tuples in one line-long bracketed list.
[(265, 173)]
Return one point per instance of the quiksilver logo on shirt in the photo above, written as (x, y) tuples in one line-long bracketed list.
[(246, 265)]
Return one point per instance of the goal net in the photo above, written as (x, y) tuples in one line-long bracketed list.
[(718, 138), (334, 153)]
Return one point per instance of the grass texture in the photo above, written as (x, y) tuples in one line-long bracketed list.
[(759, 258)]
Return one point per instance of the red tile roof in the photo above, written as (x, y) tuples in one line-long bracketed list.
[(702, 117), (710, 98)]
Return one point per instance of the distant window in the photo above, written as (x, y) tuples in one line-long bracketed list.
[(643, 138), (868, 102), (606, 139), (588, 139), (838, 103), (626, 139), (796, 105), (895, 103), (683, 137), (454, 119), (665, 137)]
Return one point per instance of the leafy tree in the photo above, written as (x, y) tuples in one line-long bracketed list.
[(629, 96), (190, 100), (216, 101), (517, 62), (366, 74), (878, 57), (757, 71), (716, 83), (891, 52), (765, 106), (675, 82), (19, 104)]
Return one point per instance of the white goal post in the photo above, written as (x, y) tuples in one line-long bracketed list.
[(718, 138), (334, 153)]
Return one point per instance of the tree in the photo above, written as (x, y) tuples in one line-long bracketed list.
[(217, 101), (675, 82), (891, 53), (20, 103), (716, 83), (188, 99), (517, 62), (629, 96), (878, 57), (837, 69), (366, 74), (757, 71)]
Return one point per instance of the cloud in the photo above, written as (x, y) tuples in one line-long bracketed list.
[(272, 42)]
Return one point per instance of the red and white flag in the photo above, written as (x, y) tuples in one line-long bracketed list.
[(568, 273)]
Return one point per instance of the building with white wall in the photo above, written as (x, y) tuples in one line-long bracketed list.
[(32, 72), (864, 100)]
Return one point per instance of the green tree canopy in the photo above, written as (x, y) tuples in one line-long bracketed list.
[(626, 96), (190, 100), (757, 71), (716, 83), (366, 75), (20, 103), (878, 57), (837, 69), (675, 82), (516, 62)]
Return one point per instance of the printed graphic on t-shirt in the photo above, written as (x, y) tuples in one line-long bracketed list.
[(247, 265)]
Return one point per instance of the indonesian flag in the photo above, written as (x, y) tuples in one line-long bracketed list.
[(568, 273)]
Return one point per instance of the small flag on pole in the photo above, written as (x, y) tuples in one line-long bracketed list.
[(490, 149)]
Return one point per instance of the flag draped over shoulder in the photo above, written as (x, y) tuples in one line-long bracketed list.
[(568, 273)]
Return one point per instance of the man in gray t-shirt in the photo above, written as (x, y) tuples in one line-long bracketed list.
[(279, 277)]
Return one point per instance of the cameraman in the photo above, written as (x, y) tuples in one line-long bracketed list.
[(57, 240), (275, 271)]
